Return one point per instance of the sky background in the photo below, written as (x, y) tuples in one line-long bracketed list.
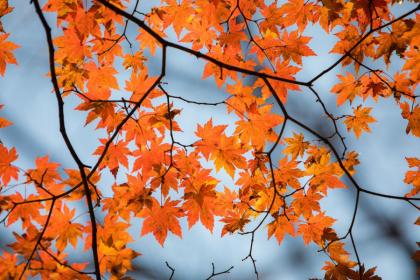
[(384, 229)]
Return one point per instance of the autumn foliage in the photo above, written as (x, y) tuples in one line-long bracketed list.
[(159, 180)]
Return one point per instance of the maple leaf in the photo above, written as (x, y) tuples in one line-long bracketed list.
[(295, 145), (346, 89), (359, 121), (201, 34), (147, 41), (234, 220), (5, 203), (63, 8), (138, 84), (117, 154), (324, 173), (234, 36), (288, 173), (28, 213), (287, 71), (338, 272), (4, 10), (163, 120), (101, 81), (411, 63), (152, 160), (367, 275), (7, 170), (362, 12), (334, 13), (373, 85), (339, 254), (305, 204), (253, 189), (85, 22), (268, 46), (281, 226), (53, 269), (107, 47), (129, 197), (4, 122), (296, 46), (9, 267), (284, 70), (394, 40), (224, 201), (71, 47), (241, 99), (45, 176), (349, 36), (6, 55), (161, 219), (25, 242), (296, 12), (272, 16), (413, 117), (226, 152), (402, 85), (313, 229), (228, 156), (262, 200), (350, 161), (199, 195), (413, 176), (71, 75), (116, 260), (211, 69), (258, 127), (326, 179), (113, 233), (103, 110), (63, 229), (135, 61), (113, 238), (177, 15)]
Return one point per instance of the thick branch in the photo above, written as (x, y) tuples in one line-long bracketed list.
[(66, 138)]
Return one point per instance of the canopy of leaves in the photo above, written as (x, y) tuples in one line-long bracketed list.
[(279, 181)]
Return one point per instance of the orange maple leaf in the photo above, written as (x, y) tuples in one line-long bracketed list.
[(199, 195), (346, 89), (313, 229), (413, 176), (281, 226), (161, 219), (305, 204), (7, 170), (117, 154), (226, 152), (63, 229), (359, 121), (298, 12), (295, 146), (234, 220), (258, 127), (6, 55), (413, 117)]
